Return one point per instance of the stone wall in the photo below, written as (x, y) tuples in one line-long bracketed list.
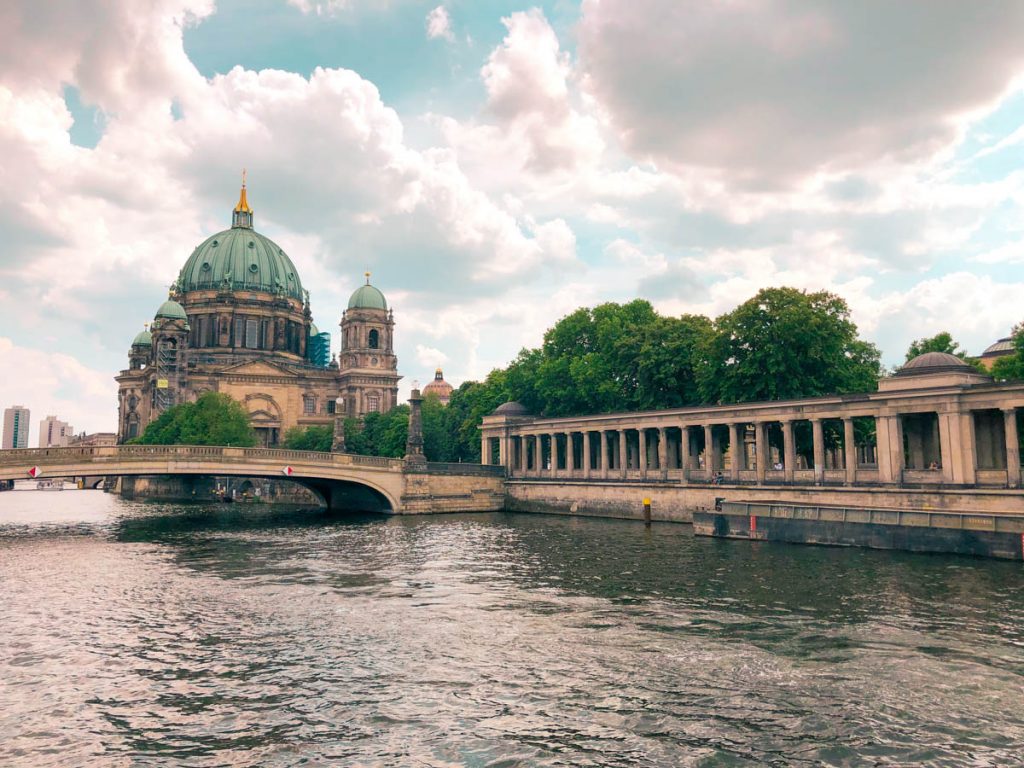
[(439, 491), (205, 488), (677, 503)]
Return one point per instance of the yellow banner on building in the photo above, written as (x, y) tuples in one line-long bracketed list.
[(161, 384)]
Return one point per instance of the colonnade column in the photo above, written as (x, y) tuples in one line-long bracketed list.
[(850, 451), (603, 436), (788, 451), (684, 454), (709, 450), (586, 455), (663, 452), (570, 460), (818, 438), (554, 454), (736, 453), (623, 455), (1013, 477), (538, 455), (485, 455), (641, 447), (761, 449)]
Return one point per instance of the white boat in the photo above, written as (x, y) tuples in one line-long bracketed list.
[(50, 484)]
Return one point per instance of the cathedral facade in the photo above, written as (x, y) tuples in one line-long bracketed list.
[(238, 321)]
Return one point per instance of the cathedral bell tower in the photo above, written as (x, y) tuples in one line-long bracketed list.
[(368, 375)]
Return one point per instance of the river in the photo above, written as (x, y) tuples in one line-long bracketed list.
[(137, 634)]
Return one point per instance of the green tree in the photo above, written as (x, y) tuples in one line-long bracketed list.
[(785, 343), (1012, 366), (213, 419), (942, 342), (312, 438)]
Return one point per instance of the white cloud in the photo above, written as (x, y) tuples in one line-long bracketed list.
[(439, 24), (430, 357), (50, 382), (772, 91)]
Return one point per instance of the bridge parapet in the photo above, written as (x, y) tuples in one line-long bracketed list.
[(118, 453)]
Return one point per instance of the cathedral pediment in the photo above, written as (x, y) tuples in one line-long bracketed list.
[(258, 368)]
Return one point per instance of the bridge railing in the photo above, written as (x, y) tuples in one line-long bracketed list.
[(459, 468), (100, 454)]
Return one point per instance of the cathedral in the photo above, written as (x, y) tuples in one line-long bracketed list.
[(238, 321)]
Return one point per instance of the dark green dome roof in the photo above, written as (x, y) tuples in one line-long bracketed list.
[(171, 310), (367, 297), (143, 339), (240, 259)]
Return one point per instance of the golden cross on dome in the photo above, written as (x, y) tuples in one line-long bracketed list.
[(367, 277)]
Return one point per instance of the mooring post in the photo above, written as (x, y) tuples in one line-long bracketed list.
[(647, 512)]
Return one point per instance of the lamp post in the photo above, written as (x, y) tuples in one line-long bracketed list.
[(414, 444)]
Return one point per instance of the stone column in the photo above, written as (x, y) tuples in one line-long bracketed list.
[(663, 452), (1013, 478), (554, 454), (968, 448), (414, 457), (338, 444), (603, 436), (538, 455), (949, 450), (850, 451), (570, 458), (761, 449), (586, 455), (641, 449), (788, 451), (623, 454), (485, 455), (709, 450), (736, 454), (818, 438), (685, 452)]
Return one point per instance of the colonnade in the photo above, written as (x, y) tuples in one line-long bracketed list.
[(956, 446)]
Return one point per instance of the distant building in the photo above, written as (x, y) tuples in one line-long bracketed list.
[(95, 439), (54, 433), (16, 427), (440, 388), (1001, 348)]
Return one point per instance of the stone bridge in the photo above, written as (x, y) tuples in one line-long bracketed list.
[(343, 481)]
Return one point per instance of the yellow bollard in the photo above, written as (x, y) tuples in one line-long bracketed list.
[(647, 512)]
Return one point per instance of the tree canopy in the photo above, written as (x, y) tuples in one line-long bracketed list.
[(1012, 366), (786, 343), (213, 419)]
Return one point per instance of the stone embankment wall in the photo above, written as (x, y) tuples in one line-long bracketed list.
[(459, 490), (677, 503)]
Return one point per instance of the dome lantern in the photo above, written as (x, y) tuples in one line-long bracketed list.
[(241, 217)]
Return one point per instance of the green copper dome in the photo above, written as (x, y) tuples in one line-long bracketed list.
[(367, 297), (171, 310), (240, 259), (143, 339)]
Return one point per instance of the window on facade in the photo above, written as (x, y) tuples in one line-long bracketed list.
[(374, 339), (133, 430), (239, 332), (372, 404), (252, 333), (308, 404), (330, 406)]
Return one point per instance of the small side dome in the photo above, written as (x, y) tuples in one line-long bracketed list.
[(1001, 347), (367, 297), (934, 362), (171, 310), (511, 408), (143, 339)]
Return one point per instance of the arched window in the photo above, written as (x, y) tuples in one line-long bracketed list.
[(374, 339)]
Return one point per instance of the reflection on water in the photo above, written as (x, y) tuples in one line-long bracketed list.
[(241, 635)]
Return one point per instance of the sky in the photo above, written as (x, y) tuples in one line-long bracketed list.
[(496, 165)]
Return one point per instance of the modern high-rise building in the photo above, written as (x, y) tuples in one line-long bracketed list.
[(54, 433), (16, 427)]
